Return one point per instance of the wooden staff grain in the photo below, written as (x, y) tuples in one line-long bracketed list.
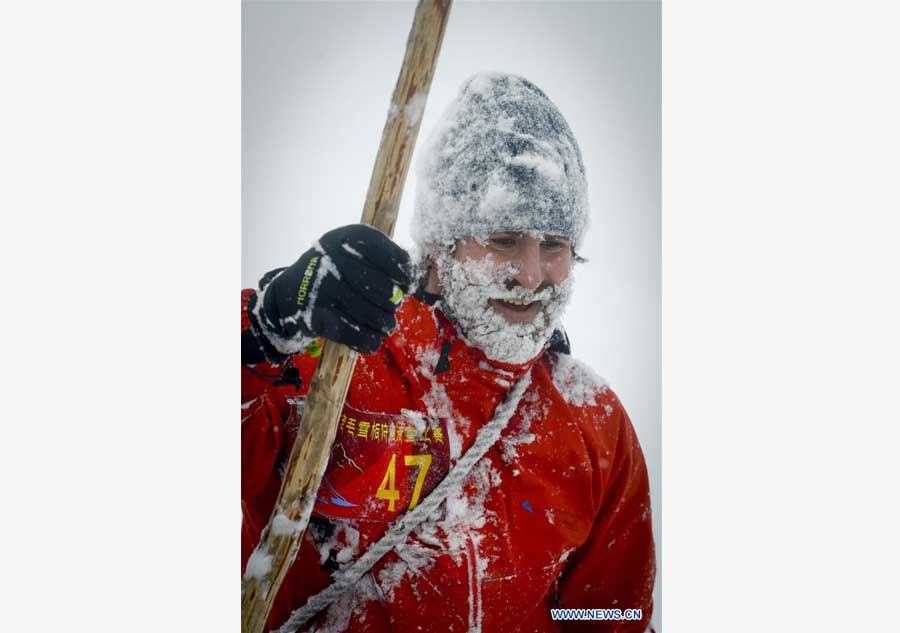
[(280, 540)]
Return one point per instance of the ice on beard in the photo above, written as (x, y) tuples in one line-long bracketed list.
[(468, 287)]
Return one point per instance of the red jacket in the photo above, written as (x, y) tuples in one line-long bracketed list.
[(556, 515)]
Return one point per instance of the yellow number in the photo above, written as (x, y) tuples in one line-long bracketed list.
[(423, 462), (387, 489)]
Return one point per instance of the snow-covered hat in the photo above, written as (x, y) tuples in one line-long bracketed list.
[(502, 158)]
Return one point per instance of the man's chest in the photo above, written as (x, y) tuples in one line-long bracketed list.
[(492, 550)]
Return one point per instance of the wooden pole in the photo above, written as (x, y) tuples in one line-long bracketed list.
[(280, 540)]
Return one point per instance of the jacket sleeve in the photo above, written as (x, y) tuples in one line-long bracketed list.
[(266, 417), (616, 566), (270, 389)]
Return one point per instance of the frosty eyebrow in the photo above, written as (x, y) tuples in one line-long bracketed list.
[(546, 237)]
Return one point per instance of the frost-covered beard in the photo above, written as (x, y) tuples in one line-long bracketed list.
[(468, 286)]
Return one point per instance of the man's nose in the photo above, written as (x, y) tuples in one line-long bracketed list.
[(529, 272)]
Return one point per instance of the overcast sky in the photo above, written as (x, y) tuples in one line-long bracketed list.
[(317, 83)]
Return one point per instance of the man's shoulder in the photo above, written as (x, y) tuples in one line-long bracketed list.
[(586, 409), (576, 382)]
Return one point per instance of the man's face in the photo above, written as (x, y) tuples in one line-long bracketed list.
[(506, 291), (535, 262)]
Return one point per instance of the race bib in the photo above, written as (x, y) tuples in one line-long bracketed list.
[(382, 465)]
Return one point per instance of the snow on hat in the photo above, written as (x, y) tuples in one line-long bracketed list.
[(502, 158)]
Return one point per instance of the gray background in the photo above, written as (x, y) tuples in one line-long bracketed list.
[(317, 82)]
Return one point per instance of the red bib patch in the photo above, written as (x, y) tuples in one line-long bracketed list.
[(382, 465)]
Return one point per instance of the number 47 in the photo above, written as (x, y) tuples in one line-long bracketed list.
[(388, 490)]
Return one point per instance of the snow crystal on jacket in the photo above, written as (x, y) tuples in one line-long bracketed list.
[(576, 382)]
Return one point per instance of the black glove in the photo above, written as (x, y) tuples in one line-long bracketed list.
[(346, 289)]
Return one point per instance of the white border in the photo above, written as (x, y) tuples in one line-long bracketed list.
[(120, 160)]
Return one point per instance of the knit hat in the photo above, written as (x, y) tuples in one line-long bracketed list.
[(502, 158)]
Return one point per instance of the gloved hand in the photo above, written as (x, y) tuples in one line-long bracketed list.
[(346, 289)]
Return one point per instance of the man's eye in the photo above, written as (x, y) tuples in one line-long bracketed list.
[(503, 243), (553, 246)]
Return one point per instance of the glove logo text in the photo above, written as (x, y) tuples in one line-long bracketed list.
[(304, 283)]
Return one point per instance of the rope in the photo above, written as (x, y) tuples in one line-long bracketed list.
[(400, 529)]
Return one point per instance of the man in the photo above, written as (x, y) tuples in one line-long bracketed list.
[(556, 514)]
